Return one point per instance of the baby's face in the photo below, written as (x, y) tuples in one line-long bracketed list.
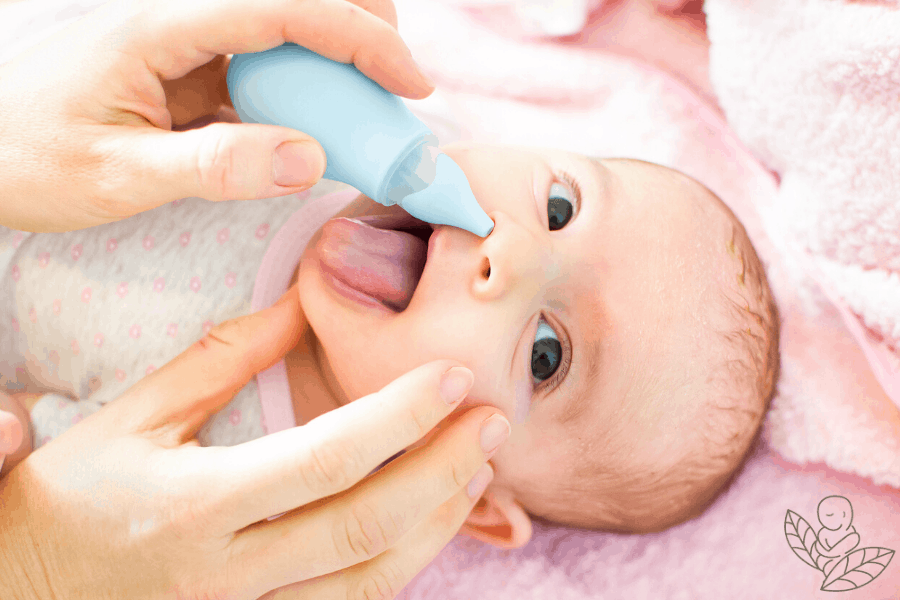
[(575, 324)]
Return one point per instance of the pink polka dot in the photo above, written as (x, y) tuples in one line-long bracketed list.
[(235, 417), (61, 404), (172, 329), (159, 284), (230, 280), (120, 374), (47, 439), (222, 236), (53, 356), (184, 239), (98, 340), (57, 306), (178, 202), (112, 244), (150, 369), (17, 239), (195, 284), (122, 289), (262, 231), (207, 326), (76, 251), (75, 348), (16, 273), (32, 315), (43, 259), (20, 372), (149, 242), (86, 294), (77, 418), (15, 324), (135, 331)]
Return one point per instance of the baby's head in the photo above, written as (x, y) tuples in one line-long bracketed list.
[(617, 314)]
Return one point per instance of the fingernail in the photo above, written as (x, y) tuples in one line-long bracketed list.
[(297, 163), (479, 483), (494, 432), (455, 384)]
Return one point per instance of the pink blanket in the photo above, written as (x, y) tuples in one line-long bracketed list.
[(811, 88)]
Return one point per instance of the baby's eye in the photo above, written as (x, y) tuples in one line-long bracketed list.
[(546, 354), (559, 207)]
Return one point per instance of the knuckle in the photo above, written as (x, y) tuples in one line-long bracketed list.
[(381, 582), (420, 422), (363, 534), (216, 167), (459, 476), (225, 333), (330, 467)]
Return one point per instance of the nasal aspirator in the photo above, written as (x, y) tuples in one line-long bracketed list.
[(371, 139)]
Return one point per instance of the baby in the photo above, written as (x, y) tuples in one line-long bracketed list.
[(618, 315)]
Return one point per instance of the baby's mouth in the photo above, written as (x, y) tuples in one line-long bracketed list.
[(380, 256)]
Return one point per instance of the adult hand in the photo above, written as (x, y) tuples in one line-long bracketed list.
[(87, 114), (126, 504)]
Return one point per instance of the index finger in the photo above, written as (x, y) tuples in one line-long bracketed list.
[(177, 37), (332, 453)]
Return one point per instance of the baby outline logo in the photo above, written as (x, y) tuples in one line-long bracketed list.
[(831, 550)]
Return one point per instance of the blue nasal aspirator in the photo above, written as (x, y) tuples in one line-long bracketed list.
[(371, 139)]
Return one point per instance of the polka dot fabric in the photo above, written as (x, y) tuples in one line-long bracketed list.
[(89, 313)]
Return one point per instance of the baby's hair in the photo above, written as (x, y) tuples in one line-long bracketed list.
[(619, 495), (740, 389)]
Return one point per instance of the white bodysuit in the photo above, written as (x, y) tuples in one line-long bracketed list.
[(86, 314)]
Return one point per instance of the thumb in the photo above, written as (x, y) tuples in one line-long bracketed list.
[(10, 433), (222, 161)]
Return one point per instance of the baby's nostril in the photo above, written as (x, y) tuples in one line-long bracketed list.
[(486, 269)]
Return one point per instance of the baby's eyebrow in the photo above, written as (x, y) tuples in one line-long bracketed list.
[(580, 400)]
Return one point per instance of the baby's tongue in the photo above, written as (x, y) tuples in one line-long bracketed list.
[(381, 263)]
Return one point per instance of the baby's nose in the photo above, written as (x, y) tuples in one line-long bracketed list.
[(509, 258)]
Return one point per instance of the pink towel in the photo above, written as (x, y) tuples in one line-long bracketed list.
[(813, 89)]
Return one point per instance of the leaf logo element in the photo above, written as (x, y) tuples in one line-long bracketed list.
[(801, 538), (857, 569)]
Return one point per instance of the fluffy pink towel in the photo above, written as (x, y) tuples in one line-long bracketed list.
[(813, 89)]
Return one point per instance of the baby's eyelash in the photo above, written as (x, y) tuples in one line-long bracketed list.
[(549, 385), (572, 183)]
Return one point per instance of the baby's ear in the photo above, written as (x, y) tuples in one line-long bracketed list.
[(499, 520)]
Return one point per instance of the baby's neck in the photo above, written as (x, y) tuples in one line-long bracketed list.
[(314, 390)]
